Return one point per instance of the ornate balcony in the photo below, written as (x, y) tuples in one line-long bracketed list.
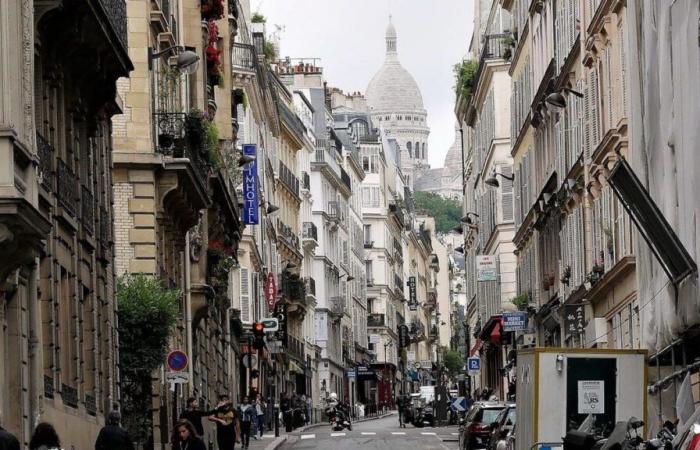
[(45, 151), (305, 181), (115, 11), (336, 306), (288, 235), (172, 139), (295, 348), (67, 188), (87, 208), (397, 212), (375, 320), (69, 395), (105, 226), (288, 179), (310, 287), (243, 58), (398, 283), (333, 211), (309, 235), (346, 179)]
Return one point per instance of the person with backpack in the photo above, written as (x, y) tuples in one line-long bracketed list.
[(112, 436), (248, 416)]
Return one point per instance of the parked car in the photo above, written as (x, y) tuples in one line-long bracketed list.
[(502, 428), (475, 428)]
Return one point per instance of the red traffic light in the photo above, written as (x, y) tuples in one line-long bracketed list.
[(258, 328)]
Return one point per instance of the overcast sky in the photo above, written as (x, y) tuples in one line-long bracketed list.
[(348, 37)]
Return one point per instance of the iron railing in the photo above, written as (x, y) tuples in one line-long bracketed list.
[(295, 347), (337, 305), (243, 56), (398, 283), (87, 206), (289, 179), (333, 210), (310, 286), (90, 404), (67, 188), (69, 395), (287, 233), (493, 47), (346, 178), (397, 211), (309, 231), (306, 181), (172, 139), (116, 14), (45, 153), (48, 386), (291, 120), (105, 225), (375, 320)]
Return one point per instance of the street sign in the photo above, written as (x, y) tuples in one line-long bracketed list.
[(177, 377), (515, 321), (486, 268), (426, 364), (270, 292), (177, 361), (413, 297), (281, 314), (474, 365), (275, 347), (350, 374), (459, 404), (270, 324), (416, 365), (374, 338)]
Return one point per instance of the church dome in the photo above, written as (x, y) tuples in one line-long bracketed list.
[(393, 89), (453, 165)]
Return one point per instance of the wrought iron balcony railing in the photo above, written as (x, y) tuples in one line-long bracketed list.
[(87, 207), (243, 57), (398, 283), (375, 320), (295, 347), (105, 226), (48, 386), (306, 181), (287, 233), (45, 153), (90, 404), (396, 210), (289, 179), (310, 286), (69, 395), (346, 179), (333, 210), (67, 188), (172, 139), (309, 231), (337, 305), (116, 13)]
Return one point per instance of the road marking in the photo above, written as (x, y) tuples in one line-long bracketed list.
[(398, 433), (368, 433), (308, 436), (425, 433), (337, 434), (454, 434)]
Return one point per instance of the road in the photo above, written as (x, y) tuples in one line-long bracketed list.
[(377, 434)]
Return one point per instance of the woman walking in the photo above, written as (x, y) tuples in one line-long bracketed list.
[(45, 438), (185, 437), (260, 407)]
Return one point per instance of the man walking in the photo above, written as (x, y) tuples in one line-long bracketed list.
[(194, 415), (112, 436), (401, 405), (260, 407), (248, 415)]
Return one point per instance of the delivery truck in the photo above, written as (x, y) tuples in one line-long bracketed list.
[(558, 388)]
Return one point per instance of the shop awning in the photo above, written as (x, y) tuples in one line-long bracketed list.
[(492, 330), (367, 373), (294, 367), (475, 348)]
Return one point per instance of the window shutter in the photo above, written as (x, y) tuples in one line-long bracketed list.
[(518, 213), (507, 195), (595, 110), (623, 70), (245, 295), (587, 120)]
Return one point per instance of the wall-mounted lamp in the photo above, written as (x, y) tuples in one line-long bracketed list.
[(493, 181), (458, 229), (350, 277), (560, 363), (468, 218), (459, 249), (245, 159), (557, 100), (271, 209), (187, 59)]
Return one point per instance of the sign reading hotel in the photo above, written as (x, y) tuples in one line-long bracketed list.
[(413, 298), (250, 188), (486, 269)]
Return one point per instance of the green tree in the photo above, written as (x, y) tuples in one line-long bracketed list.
[(147, 313), (446, 212), (453, 362)]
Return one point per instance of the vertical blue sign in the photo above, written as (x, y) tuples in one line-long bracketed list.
[(250, 187)]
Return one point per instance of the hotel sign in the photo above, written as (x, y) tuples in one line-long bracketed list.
[(250, 187)]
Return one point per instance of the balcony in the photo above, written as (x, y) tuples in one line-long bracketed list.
[(45, 151), (309, 235), (433, 332), (288, 179), (294, 289), (90, 404), (494, 47), (397, 212), (173, 141), (336, 306), (291, 121), (295, 348), (305, 181), (375, 320), (417, 331), (369, 244), (333, 211), (325, 161), (243, 58), (69, 395), (310, 284), (287, 234), (115, 10), (87, 208), (67, 188), (398, 250), (105, 226), (398, 283), (346, 179), (48, 386)]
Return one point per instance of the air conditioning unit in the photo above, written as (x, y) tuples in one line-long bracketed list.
[(596, 332)]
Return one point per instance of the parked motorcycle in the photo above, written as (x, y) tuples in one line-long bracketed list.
[(423, 417)]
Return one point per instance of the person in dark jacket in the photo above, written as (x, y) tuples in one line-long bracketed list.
[(112, 436), (8, 441), (186, 437), (44, 438), (194, 415)]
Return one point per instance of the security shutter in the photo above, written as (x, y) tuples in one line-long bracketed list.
[(507, 194), (245, 295)]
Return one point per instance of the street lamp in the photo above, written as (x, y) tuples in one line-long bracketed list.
[(493, 181), (187, 60)]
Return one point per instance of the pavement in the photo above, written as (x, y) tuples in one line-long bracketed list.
[(377, 433)]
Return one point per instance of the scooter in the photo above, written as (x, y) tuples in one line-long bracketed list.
[(423, 417), (338, 419)]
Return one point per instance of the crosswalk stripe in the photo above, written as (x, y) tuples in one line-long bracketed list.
[(428, 434), (308, 436), (398, 433), (454, 434), (337, 434), (368, 433)]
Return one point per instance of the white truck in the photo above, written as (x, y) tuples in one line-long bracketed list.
[(558, 388)]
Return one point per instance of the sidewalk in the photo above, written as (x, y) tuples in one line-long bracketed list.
[(270, 442)]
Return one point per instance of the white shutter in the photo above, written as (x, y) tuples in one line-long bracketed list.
[(595, 110), (507, 195), (245, 295), (517, 180), (623, 70), (587, 120)]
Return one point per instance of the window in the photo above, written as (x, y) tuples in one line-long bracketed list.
[(370, 276), (359, 128), (370, 160), (409, 147), (368, 233)]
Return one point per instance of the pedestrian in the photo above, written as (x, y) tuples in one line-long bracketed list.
[(260, 407), (309, 410), (185, 437), (112, 436), (248, 415), (227, 427), (45, 438), (8, 441), (194, 415), (401, 406)]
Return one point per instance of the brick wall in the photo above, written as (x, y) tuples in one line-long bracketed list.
[(123, 223)]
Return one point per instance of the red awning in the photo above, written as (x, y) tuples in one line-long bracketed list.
[(476, 348), (496, 333)]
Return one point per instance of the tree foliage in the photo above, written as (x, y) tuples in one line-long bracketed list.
[(446, 212), (147, 313), (258, 18), (454, 364), (464, 77)]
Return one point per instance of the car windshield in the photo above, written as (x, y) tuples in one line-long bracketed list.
[(511, 417), (489, 415)]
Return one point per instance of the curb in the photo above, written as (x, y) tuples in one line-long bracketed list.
[(276, 443)]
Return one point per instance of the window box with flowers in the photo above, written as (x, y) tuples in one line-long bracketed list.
[(212, 9)]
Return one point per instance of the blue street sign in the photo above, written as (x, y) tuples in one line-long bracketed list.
[(474, 364), (515, 321), (250, 187), (177, 360), (459, 404)]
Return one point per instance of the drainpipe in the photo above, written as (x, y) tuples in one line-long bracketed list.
[(188, 313), (36, 384)]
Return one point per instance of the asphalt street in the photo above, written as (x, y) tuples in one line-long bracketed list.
[(377, 434)]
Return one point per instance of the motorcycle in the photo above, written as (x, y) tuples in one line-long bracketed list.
[(423, 417), (338, 418)]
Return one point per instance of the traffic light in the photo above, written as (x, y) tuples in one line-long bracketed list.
[(259, 334)]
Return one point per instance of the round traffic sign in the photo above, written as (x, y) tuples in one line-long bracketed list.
[(416, 365), (177, 360)]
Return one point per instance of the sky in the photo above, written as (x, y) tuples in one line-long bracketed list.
[(348, 37)]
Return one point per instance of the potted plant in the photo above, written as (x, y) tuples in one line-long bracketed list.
[(566, 275)]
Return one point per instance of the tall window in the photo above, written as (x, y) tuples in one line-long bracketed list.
[(368, 233), (359, 128)]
